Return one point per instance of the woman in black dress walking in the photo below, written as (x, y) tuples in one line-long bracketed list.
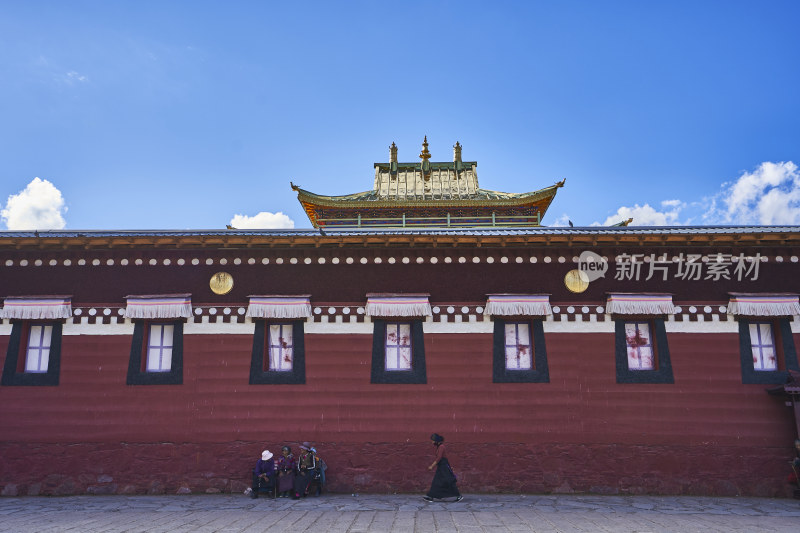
[(444, 481)]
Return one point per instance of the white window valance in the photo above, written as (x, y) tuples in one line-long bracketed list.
[(764, 304), (518, 305), (37, 307), (279, 306), (152, 306), (403, 305), (640, 304)]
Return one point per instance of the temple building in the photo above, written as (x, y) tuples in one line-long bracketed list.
[(427, 194), (613, 360)]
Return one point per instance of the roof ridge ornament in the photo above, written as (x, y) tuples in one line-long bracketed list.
[(425, 155), (393, 160), (457, 152)]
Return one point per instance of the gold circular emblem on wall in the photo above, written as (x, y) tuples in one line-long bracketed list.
[(576, 281), (221, 283)]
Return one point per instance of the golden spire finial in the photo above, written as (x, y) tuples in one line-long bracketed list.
[(425, 154), (457, 152), (393, 153)]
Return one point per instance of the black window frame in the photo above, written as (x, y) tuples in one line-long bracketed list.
[(751, 376), (662, 374), (137, 374), (540, 373), (261, 376), (418, 373), (17, 348)]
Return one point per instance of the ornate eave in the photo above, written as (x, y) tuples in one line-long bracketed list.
[(368, 199), (484, 201)]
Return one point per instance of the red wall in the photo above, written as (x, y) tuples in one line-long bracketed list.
[(705, 434), (457, 282)]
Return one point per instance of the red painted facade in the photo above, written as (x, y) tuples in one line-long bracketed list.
[(706, 433)]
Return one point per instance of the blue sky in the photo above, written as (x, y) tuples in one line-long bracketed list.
[(176, 114)]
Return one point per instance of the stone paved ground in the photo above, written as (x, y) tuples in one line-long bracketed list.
[(397, 513)]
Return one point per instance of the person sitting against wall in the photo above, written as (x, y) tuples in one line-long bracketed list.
[(306, 465), (794, 477), (318, 477), (264, 475), (286, 466)]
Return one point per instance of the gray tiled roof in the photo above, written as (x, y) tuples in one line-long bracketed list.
[(587, 230)]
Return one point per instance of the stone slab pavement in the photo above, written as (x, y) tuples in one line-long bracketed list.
[(403, 513)]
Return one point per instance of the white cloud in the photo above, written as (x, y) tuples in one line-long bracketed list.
[(72, 77), (39, 206), (263, 220), (561, 221), (645, 215), (768, 195)]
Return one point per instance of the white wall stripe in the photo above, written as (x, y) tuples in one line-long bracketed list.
[(346, 325)]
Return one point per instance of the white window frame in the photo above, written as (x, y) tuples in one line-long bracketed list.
[(37, 351), (159, 353), (635, 362), (763, 351), (395, 348), (515, 348), (277, 351)]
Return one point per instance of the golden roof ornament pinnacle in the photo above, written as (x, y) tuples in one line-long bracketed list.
[(393, 153), (457, 152), (425, 154)]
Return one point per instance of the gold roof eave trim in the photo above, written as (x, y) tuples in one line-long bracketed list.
[(342, 201)]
